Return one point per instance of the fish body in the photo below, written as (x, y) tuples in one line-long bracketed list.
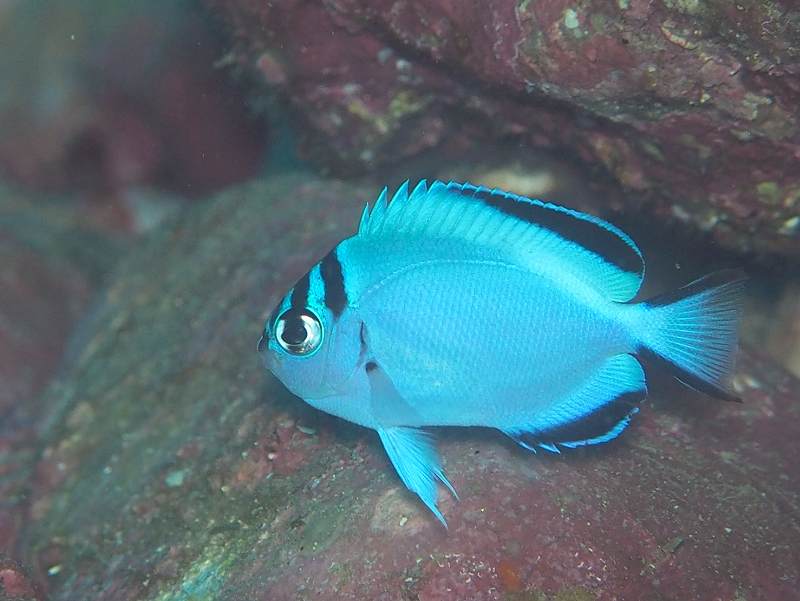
[(456, 305)]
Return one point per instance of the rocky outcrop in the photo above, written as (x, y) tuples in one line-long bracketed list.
[(52, 263), (691, 106), (174, 467)]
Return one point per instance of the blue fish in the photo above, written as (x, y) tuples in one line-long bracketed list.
[(457, 305)]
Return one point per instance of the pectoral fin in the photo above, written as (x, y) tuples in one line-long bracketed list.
[(388, 407), (414, 456)]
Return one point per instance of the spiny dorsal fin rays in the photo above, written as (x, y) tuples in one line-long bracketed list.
[(364, 221), (417, 199), (420, 190), (377, 215), (565, 243), (426, 208), (396, 208), (392, 215)]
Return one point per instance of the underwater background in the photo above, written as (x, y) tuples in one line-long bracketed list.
[(168, 171)]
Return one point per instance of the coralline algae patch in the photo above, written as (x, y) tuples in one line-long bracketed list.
[(280, 446)]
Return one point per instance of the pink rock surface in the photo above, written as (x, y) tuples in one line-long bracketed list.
[(52, 264), (15, 584), (172, 466), (671, 511), (691, 106)]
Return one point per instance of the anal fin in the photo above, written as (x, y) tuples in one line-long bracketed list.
[(596, 412), (414, 456)]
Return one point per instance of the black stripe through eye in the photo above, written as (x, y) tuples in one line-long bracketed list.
[(333, 283), (294, 330), (299, 298), (591, 236)]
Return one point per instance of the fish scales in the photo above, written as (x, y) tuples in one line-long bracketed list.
[(485, 331), (456, 305)]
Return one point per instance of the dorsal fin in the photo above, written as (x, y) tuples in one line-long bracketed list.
[(543, 236)]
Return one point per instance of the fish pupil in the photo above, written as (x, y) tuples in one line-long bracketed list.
[(299, 332), (294, 330)]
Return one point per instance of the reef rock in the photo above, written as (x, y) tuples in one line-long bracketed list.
[(51, 265), (691, 106), (174, 467), (52, 262)]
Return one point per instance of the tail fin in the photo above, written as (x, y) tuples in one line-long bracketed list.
[(692, 331)]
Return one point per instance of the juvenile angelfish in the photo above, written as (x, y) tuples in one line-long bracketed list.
[(456, 305)]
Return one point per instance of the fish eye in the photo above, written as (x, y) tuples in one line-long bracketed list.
[(298, 332)]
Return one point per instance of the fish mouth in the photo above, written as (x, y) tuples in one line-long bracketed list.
[(262, 344), (268, 359)]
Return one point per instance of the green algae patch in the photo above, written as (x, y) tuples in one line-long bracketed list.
[(574, 594), (571, 20), (769, 192), (406, 103), (201, 582), (652, 150), (690, 7), (322, 526), (175, 478), (567, 594)]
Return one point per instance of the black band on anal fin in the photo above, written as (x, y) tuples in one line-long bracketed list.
[(601, 425)]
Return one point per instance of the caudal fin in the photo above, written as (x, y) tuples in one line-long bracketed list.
[(693, 331)]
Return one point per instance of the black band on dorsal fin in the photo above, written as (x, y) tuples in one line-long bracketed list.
[(551, 240), (592, 234)]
